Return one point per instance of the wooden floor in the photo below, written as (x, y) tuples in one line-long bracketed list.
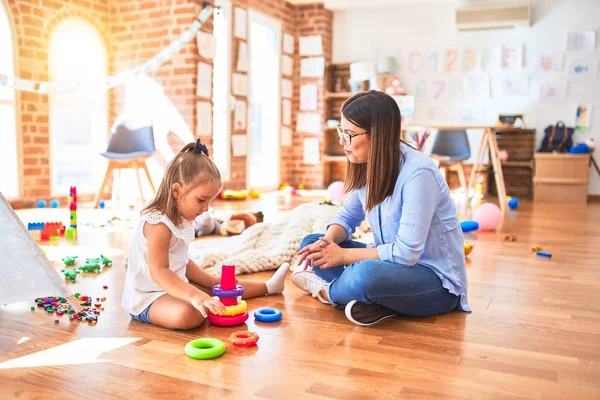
[(534, 333)]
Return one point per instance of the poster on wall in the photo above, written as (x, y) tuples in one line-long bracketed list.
[(581, 41), (312, 67), (286, 111), (238, 145), (583, 116), (549, 62), (242, 60), (239, 84), (239, 27), (512, 57), (286, 88), (203, 118), (308, 122), (308, 97), (207, 44), (508, 86), (239, 115), (287, 65), (286, 136), (288, 43), (311, 151), (583, 69), (553, 91), (491, 59), (204, 81), (311, 45)]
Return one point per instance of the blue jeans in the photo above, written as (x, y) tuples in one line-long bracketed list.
[(416, 291)]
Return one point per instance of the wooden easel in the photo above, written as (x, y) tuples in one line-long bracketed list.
[(488, 143)]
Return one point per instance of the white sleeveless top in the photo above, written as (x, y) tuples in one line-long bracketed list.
[(140, 290)]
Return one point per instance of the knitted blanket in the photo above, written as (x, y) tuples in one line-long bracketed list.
[(264, 246)]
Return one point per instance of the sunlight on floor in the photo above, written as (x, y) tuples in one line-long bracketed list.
[(81, 351), (23, 340)]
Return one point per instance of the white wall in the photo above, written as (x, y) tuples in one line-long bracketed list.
[(365, 34)]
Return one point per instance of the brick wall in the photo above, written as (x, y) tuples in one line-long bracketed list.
[(134, 31), (138, 31), (311, 19), (34, 21)]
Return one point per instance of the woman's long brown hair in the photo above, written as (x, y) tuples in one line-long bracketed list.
[(187, 167), (379, 114)]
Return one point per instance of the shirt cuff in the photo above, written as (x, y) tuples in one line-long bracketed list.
[(386, 252), (338, 221)]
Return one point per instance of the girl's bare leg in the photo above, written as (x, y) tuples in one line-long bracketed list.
[(173, 313)]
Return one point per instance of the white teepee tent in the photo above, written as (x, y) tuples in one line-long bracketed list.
[(26, 271)]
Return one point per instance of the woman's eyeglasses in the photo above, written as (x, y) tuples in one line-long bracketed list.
[(346, 137)]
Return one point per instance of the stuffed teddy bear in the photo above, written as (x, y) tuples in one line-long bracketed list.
[(207, 224)]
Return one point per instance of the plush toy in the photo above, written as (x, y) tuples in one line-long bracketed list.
[(240, 222), (206, 224)]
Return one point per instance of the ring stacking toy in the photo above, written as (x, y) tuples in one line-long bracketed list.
[(244, 338), (205, 348), (229, 293), (217, 291), (268, 315), (239, 308)]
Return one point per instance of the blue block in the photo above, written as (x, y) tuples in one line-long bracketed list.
[(469, 226), (35, 226)]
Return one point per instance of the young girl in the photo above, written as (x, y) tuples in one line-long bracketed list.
[(163, 286)]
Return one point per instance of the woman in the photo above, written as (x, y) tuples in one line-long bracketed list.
[(416, 266)]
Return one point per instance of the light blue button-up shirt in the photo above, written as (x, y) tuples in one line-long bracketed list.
[(417, 224)]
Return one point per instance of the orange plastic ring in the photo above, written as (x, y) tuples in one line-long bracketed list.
[(244, 338)]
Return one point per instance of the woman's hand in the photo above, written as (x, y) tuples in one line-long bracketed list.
[(331, 255), (313, 248), (205, 303)]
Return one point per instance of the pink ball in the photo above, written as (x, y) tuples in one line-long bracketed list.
[(335, 191), (488, 216)]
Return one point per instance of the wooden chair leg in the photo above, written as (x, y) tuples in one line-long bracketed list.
[(145, 168), (461, 176), (107, 177), (443, 171), (139, 181)]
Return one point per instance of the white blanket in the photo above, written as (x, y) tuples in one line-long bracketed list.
[(264, 246)]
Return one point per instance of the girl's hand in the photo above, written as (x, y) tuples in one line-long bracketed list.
[(329, 256), (313, 248), (204, 304)]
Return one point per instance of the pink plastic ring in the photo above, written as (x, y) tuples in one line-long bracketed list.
[(217, 291), (223, 320)]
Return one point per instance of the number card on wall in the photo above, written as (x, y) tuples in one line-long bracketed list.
[(491, 59), (512, 57)]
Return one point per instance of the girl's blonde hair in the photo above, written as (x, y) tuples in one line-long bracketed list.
[(191, 166)]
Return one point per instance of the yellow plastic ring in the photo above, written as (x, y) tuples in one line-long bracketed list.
[(239, 308)]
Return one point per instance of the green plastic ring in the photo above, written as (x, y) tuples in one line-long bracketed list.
[(205, 348)]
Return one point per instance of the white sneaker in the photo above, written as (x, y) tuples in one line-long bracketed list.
[(310, 283)]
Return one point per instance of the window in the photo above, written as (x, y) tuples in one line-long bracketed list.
[(78, 119), (221, 97), (9, 182), (265, 103)]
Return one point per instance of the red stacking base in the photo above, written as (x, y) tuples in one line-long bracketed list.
[(225, 320)]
